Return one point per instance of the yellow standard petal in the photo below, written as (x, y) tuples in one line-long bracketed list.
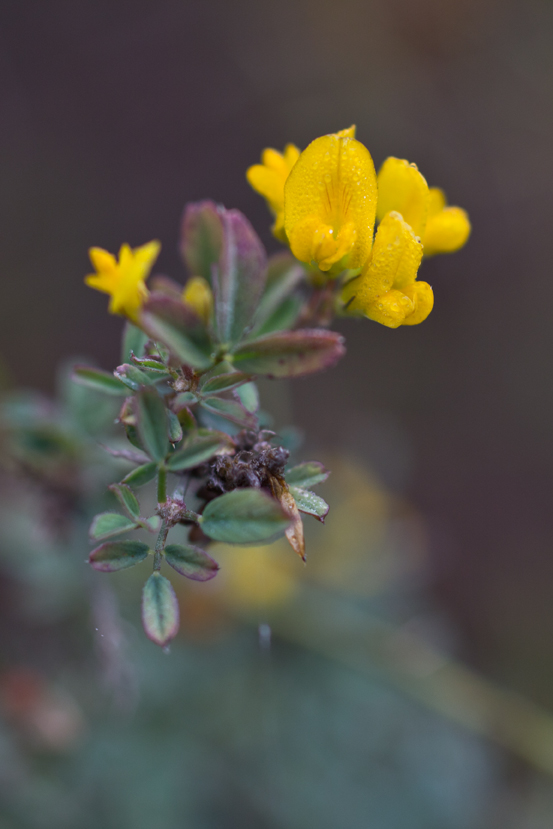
[(330, 203), (124, 280), (198, 295), (268, 179), (401, 187), (386, 290), (447, 228)]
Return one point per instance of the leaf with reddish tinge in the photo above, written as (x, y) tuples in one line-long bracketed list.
[(179, 328), (202, 237), (160, 609), (231, 410), (191, 562), (238, 278), (117, 555), (290, 353)]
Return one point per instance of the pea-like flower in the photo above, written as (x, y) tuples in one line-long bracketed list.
[(123, 280), (330, 203), (268, 179), (401, 187), (414, 219)]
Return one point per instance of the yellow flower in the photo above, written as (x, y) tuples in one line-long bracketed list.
[(124, 281), (330, 203), (268, 179), (413, 220), (199, 296), (401, 187), (386, 290)]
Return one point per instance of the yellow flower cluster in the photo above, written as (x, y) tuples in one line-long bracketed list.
[(325, 201)]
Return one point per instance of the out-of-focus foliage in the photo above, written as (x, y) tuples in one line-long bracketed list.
[(256, 717)]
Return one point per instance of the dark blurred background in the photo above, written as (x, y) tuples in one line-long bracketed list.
[(113, 115)]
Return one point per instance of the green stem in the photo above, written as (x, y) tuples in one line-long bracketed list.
[(161, 485), (160, 544)]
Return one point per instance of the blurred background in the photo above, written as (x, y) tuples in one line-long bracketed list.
[(437, 550)]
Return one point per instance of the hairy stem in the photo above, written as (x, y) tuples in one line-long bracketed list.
[(160, 544), (161, 485)]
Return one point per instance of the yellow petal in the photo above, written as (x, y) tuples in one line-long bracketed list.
[(291, 155), (102, 260), (269, 177), (197, 294), (423, 299), (446, 231), (105, 282), (332, 185), (401, 187), (394, 263), (268, 183), (391, 309), (436, 201), (146, 255), (347, 133)]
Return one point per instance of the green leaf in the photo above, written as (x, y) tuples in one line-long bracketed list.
[(175, 428), (134, 341), (151, 423), (127, 454), (117, 555), (160, 609), (126, 498), (248, 396), (150, 363), (306, 474), (108, 524), (132, 377), (224, 382), (202, 238), (133, 437), (198, 448), (284, 276), (244, 516), (191, 562), (185, 398), (283, 317), (290, 353), (310, 503), (99, 380), (238, 278), (175, 324), (230, 410)]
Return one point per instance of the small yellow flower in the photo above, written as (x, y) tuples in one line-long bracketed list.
[(330, 203), (386, 290), (124, 281), (268, 179), (401, 187), (199, 296), (413, 220)]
